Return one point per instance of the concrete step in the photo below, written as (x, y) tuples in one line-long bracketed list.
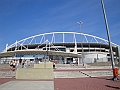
[(7, 74), (97, 73), (69, 74)]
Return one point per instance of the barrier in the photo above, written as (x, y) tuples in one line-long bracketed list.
[(44, 65), (34, 73)]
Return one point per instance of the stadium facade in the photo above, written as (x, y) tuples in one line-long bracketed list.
[(62, 47)]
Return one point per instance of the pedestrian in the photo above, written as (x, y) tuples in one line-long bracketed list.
[(23, 64), (53, 65), (11, 65), (20, 61), (83, 64), (14, 64)]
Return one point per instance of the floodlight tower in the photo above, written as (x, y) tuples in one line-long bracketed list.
[(80, 23), (115, 70)]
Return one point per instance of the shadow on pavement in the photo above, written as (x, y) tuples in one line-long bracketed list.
[(112, 87)]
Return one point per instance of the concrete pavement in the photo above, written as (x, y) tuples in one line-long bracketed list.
[(28, 85)]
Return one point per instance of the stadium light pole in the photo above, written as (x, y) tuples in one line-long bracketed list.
[(109, 40), (80, 23)]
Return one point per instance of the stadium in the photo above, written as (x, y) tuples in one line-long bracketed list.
[(61, 47)]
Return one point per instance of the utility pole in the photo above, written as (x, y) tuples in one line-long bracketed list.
[(80, 23), (109, 40)]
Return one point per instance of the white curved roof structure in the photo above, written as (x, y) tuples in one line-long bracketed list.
[(59, 37)]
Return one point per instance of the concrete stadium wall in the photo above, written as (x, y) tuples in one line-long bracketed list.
[(90, 57)]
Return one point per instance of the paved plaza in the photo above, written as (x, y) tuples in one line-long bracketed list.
[(65, 78), (28, 85)]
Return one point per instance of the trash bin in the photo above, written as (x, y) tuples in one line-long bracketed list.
[(115, 72)]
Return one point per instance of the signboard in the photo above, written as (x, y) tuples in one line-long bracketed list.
[(30, 56), (19, 56)]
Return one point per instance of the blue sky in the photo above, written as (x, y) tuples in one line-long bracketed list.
[(20, 19)]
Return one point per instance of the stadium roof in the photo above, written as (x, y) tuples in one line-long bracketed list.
[(35, 52)]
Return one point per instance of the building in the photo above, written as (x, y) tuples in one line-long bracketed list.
[(62, 47)]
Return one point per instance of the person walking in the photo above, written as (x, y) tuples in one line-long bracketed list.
[(11, 65), (14, 64), (23, 64)]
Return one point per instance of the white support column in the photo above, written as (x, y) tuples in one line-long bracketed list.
[(15, 45), (49, 46), (63, 38), (6, 47), (53, 38), (78, 61), (75, 49), (41, 40), (65, 60)]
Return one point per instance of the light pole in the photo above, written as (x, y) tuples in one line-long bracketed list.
[(108, 35), (80, 23)]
